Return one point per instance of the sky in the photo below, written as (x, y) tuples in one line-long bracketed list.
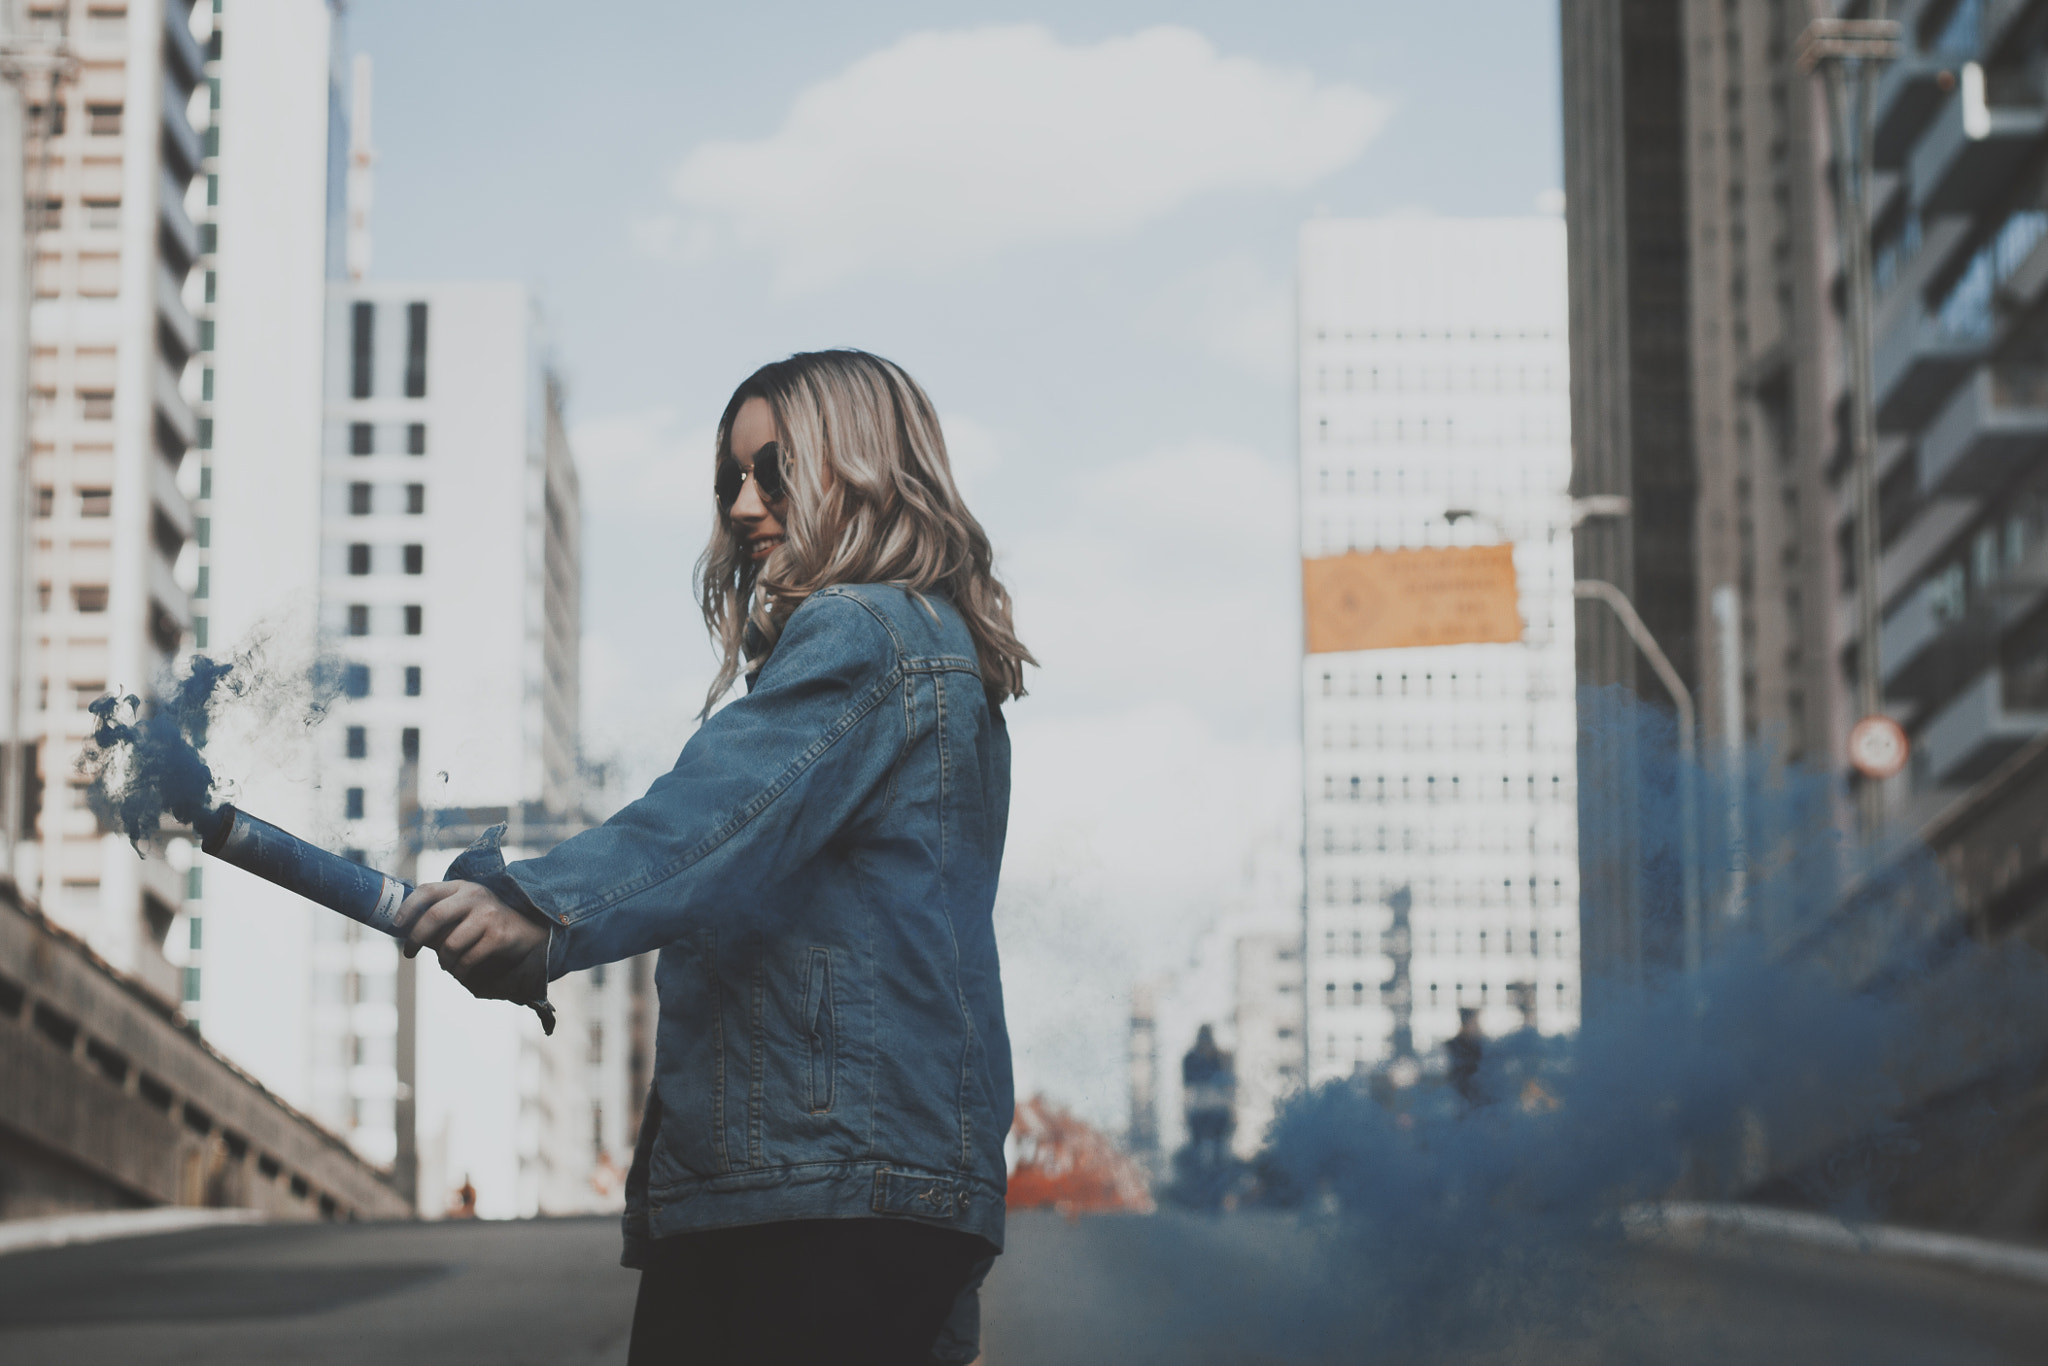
[(1075, 226)]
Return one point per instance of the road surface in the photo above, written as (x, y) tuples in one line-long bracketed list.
[(1245, 1291)]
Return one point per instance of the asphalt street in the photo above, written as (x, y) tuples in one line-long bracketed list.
[(1132, 1291)]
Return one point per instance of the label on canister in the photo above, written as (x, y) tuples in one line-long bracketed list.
[(385, 917)]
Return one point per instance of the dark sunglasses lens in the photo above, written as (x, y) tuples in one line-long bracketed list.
[(727, 485), (768, 471)]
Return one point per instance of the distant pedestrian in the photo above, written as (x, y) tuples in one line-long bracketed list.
[(1209, 1099), (1466, 1049), (820, 1175)]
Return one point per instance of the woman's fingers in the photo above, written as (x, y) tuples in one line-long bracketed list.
[(427, 915)]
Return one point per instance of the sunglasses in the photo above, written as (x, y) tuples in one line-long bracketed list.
[(766, 474)]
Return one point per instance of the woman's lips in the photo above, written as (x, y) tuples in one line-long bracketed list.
[(761, 546)]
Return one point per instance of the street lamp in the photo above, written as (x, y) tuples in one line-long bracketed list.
[(1844, 49), (1599, 590)]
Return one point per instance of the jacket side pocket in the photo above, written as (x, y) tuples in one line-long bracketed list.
[(822, 1030)]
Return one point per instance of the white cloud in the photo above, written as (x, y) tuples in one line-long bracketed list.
[(646, 479), (1235, 310), (1171, 576), (1157, 752), (952, 146), (975, 451)]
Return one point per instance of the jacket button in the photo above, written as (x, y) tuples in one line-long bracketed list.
[(564, 919)]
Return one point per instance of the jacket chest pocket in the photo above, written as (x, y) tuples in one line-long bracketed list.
[(821, 1030)]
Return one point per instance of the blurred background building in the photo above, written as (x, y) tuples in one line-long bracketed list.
[(1707, 391), (1434, 413), (1709, 388), (111, 151), (201, 184)]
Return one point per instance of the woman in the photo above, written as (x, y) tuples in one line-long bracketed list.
[(820, 1176)]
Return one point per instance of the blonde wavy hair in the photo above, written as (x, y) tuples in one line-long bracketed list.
[(871, 499)]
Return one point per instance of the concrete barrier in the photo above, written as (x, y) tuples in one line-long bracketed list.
[(107, 1101)]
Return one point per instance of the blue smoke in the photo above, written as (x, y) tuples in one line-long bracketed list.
[(1835, 1047), (146, 761)]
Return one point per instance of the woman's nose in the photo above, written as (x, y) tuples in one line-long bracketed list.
[(748, 507)]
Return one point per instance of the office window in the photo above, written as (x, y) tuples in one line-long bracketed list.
[(415, 559), (96, 405), (409, 743), (415, 350), (51, 115), (89, 597), (412, 680), (358, 619), (103, 120), (359, 499), (358, 742), (355, 804), (415, 499), (362, 348), (413, 614), (355, 680), (359, 559), (416, 438), (362, 439), (103, 213), (46, 501)]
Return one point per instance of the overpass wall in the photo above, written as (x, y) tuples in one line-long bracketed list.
[(107, 1101)]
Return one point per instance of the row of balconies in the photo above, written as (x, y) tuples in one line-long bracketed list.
[(1971, 425)]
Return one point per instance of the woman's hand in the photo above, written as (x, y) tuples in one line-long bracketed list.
[(494, 951)]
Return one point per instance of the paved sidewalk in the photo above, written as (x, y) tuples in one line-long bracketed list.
[(20, 1235), (1695, 1227)]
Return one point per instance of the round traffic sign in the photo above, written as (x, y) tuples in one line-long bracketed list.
[(1878, 747)]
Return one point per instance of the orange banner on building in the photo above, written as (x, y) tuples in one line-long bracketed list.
[(1386, 599)]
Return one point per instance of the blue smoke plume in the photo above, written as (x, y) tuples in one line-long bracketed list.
[(1844, 1047), (146, 760)]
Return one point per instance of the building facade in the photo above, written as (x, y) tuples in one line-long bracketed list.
[(457, 670), (1441, 782), (111, 154), (1707, 392), (1960, 390)]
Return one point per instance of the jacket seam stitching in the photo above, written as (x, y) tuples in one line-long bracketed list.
[(704, 848)]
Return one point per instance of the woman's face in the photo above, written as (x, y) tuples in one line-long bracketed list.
[(757, 522)]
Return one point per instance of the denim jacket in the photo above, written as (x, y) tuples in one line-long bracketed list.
[(818, 871)]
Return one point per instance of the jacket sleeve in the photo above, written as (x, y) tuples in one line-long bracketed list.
[(759, 791)]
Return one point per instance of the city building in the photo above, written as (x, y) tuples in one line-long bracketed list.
[(1265, 1023), (449, 593), (275, 126), (1960, 392), (1441, 781), (111, 151), (1242, 980), (1707, 392)]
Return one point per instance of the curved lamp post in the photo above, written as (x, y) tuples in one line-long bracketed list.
[(1599, 590)]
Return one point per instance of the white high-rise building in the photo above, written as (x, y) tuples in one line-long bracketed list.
[(450, 596), (111, 151), (1434, 413), (387, 488)]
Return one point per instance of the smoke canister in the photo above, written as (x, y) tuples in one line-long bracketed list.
[(362, 894)]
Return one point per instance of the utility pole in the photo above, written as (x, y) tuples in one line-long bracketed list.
[(1599, 590), (1849, 52)]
